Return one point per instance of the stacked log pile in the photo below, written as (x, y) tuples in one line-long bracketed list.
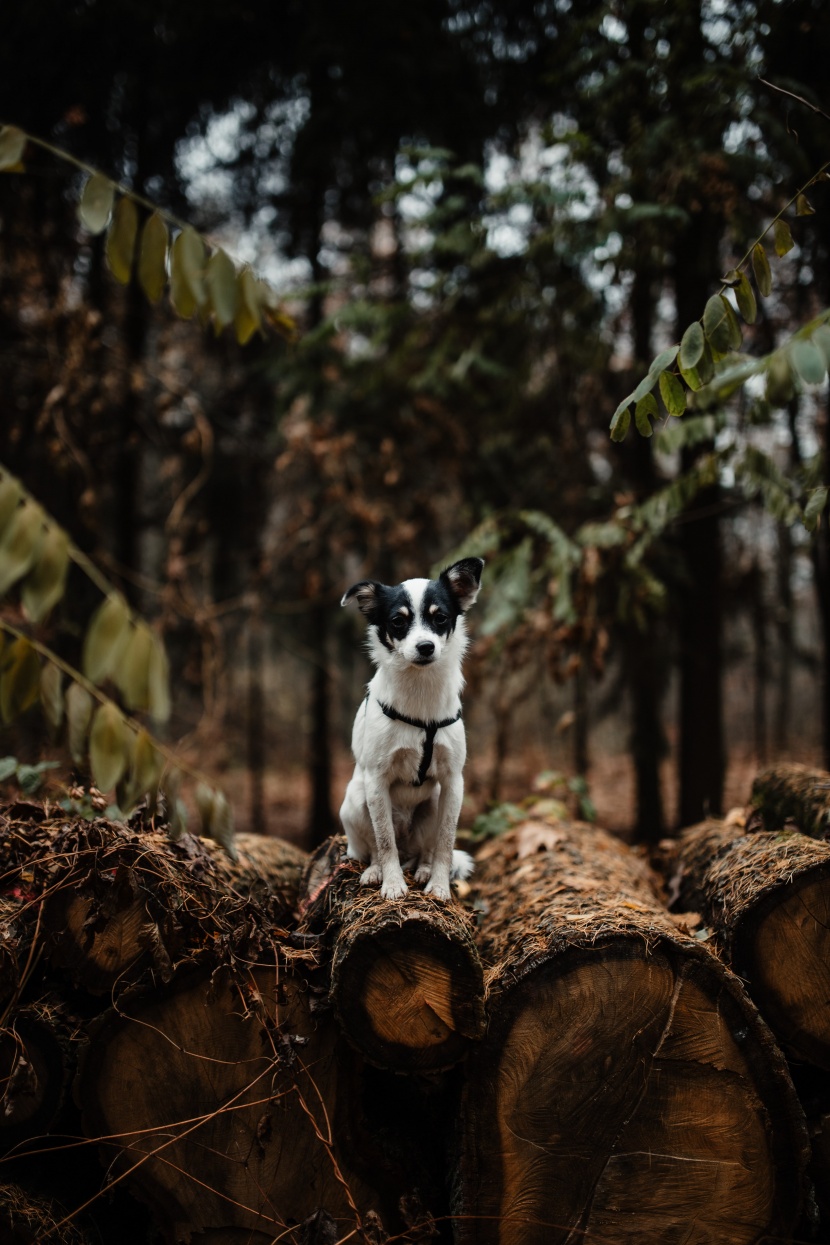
[(761, 887), (194, 1050), (627, 1088)]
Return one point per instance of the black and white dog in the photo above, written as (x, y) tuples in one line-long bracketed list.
[(402, 804)]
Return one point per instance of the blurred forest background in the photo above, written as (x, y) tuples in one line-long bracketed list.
[(486, 219)]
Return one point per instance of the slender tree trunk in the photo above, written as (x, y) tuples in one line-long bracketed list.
[(821, 575), (256, 723), (645, 655), (760, 665), (322, 821)]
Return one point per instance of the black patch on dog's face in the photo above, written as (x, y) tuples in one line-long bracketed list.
[(440, 608), (393, 616)]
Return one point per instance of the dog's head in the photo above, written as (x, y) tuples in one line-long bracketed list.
[(417, 622)]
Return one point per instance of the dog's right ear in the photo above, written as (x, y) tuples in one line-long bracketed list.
[(366, 593)]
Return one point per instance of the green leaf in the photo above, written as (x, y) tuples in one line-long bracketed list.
[(814, 508), (746, 299), (20, 682), (51, 695), (779, 380), (12, 146), (672, 393), (621, 421), (44, 586), (803, 206), (783, 238), (78, 715), (107, 747), (821, 338), (145, 768), (152, 259), (21, 545), (644, 412), (735, 335), (95, 207), (106, 639), (158, 681), (248, 314), (217, 819), (8, 767), (176, 809), (692, 345), (133, 674), (692, 378), (223, 291), (761, 269), (121, 240), (187, 273), (716, 323), (732, 277), (808, 360), (10, 495)]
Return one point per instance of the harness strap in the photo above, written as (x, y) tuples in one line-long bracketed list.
[(430, 730)]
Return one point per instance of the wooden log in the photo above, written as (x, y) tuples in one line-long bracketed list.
[(766, 899), (406, 982), (230, 1108), (627, 1088), (38, 1055), (121, 900), (792, 795)]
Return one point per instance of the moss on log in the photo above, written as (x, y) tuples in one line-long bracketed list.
[(793, 795), (766, 899), (406, 982), (119, 901), (627, 1088)]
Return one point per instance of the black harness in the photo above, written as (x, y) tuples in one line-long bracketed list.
[(430, 730)]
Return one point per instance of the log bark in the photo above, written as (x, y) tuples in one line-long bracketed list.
[(766, 899), (627, 1087), (119, 901), (406, 983), (228, 1107), (793, 795)]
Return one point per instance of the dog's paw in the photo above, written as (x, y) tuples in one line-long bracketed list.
[(438, 889), (371, 876), (423, 874), (394, 888)]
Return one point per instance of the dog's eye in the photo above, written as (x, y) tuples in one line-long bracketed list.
[(439, 619), (398, 626)]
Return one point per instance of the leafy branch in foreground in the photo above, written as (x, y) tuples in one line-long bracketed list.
[(203, 280), (118, 646), (709, 369)]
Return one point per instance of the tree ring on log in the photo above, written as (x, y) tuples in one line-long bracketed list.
[(796, 995), (407, 995), (621, 1090)]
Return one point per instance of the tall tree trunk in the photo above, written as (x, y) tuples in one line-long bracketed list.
[(322, 821), (821, 575), (702, 762)]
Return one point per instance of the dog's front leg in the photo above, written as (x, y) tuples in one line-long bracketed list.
[(449, 810), (392, 884)]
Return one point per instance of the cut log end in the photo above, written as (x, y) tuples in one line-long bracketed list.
[(621, 1094), (406, 980), (408, 996), (789, 967)]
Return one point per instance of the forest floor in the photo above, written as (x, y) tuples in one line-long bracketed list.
[(610, 784)]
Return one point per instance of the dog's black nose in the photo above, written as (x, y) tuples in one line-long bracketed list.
[(425, 648)]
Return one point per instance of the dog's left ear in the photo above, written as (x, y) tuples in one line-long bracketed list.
[(367, 597), (464, 580)]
